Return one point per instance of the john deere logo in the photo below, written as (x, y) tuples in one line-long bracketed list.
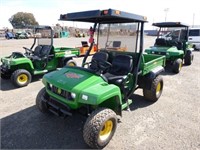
[(73, 75), (59, 91)]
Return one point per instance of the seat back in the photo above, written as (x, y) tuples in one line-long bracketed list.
[(160, 42), (45, 50), (99, 56), (179, 45), (42, 50), (121, 65), (37, 50)]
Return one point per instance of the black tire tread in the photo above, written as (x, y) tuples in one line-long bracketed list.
[(39, 103), (175, 67), (188, 58)]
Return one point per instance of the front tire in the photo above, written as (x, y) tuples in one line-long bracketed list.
[(156, 89), (100, 128), (39, 100), (21, 78), (177, 65)]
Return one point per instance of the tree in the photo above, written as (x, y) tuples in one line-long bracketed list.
[(23, 20)]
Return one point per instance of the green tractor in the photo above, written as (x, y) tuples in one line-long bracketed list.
[(174, 45), (42, 57), (102, 86)]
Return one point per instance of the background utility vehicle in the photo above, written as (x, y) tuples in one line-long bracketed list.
[(39, 59), (85, 47), (174, 45), (194, 38), (102, 88), (82, 50)]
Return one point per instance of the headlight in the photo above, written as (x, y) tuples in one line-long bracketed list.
[(50, 86), (84, 97), (73, 95)]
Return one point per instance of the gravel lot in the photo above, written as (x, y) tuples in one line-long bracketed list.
[(172, 123)]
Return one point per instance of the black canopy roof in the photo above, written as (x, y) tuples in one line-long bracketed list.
[(103, 16), (170, 24)]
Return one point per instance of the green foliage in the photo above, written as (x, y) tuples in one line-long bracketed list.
[(23, 20)]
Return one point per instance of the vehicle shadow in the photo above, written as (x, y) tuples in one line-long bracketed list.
[(168, 70), (30, 129), (139, 102), (7, 85)]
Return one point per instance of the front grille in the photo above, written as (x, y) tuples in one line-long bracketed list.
[(4, 68), (58, 91)]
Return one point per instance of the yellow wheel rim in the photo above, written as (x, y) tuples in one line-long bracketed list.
[(71, 64), (158, 88), (106, 130), (22, 78)]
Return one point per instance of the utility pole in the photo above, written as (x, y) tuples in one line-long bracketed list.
[(166, 11), (193, 20)]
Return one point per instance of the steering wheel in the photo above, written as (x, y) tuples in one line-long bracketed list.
[(103, 66), (28, 51)]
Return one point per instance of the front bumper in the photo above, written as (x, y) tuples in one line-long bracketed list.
[(56, 107)]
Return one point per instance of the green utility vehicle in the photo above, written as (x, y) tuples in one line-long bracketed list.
[(174, 45), (102, 87), (39, 59)]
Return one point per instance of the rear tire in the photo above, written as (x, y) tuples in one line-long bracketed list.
[(21, 78), (40, 103), (100, 128), (70, 62), (156, 89), (189, 58), (177, 65)]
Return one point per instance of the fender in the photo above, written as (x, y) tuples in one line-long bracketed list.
[(155, 72), (146, 81), (109, 96)]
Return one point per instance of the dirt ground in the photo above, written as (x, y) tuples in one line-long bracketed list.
[(172, 123)]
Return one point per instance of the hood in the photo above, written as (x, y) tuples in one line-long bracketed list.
[(157, 49), (72, 78), (16, 58), (164, 50)]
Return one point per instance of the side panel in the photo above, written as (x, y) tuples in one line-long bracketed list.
[(52, 64), (65, 52), (149, 62)]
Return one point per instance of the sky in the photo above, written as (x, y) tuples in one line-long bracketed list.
[(47, 12)]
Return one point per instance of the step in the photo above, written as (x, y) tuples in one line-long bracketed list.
[(40, 72), (125, 105)]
